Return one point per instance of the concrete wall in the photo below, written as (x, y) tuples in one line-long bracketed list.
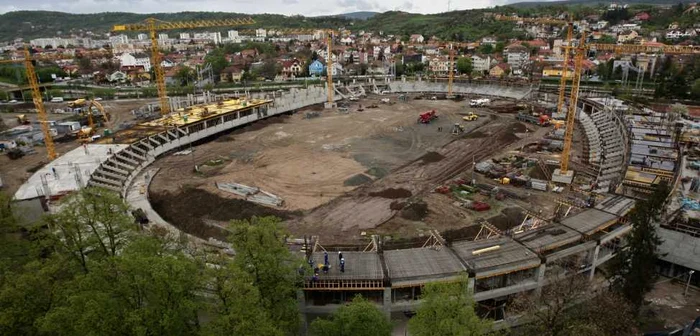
[(680, 248), (515, 92)]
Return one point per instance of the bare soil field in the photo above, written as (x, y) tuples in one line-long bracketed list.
[(339, 174)]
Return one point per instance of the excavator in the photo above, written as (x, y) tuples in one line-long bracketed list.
[(87, 134)]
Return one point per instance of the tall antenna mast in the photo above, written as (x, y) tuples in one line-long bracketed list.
[(449, 2)]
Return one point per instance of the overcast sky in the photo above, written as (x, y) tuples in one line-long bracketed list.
[(287, 7)]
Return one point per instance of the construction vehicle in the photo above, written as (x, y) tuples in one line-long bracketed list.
[(427, 117), (15, 153), (479, 102), (77, 103), (23, 120), (457, 129), (542, 119), (471, 116)]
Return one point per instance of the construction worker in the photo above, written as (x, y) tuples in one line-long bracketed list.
[(340, 255), (325, 258), (325, 268), (342, 265)]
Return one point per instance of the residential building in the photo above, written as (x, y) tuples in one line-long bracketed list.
[(163, 36), (481, 63), (316, 68), (642, 16), (337, 69), (439, 64), (118, 39), (117, 77), (233, 34), (599, 25), (52, 42), (499, 70), (137, 60), (232, 73), (142, 37), (489, 40), (518, 56), (291, 68), (185, 36), (627, 36), (558, 45), (214, 37), (416, 38), (261, 33)]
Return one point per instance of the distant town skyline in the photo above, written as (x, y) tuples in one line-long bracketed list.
[(286, 7)]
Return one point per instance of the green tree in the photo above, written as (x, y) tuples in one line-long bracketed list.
[(236, 309), (218, 61), (696, 89), (358, 318), (464, 65), (607, 39), (150, 288), (91, 222), (261, 252), (567, 307), (270, 68), (486, 48), (635, 266), (499, 47), (447, 310), (184, 75)]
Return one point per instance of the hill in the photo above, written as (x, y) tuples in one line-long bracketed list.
[(33, 24), (359, 15), (531, 4)]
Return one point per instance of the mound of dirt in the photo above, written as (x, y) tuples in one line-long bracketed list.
[(188, 209), (519, 128), (392, 193), (508, 218), (357, 180), (415, 211), (431, 157), (508, 137)]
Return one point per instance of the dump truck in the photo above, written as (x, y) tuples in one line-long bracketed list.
[(542, 119), (427, 117), (471, 116)]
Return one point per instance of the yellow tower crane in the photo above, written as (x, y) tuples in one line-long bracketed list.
[(451, 74), (38, 101), (329, 68), (152, 26)]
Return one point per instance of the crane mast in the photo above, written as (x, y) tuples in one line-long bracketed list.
[(39, 104), (329, 70)]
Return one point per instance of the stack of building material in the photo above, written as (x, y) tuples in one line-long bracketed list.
[(251, 194)]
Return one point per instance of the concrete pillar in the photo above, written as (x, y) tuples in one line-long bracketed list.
[(540, 278), (471, 283), (387, 301), (594, 262)]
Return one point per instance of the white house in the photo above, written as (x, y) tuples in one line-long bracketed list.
[(416, 38), (489, 40), (261, 32), (129, 60), (481, 63), (518, 56), (116, 76)]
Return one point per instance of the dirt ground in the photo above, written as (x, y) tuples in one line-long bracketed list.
[(668, 304), (16, 172)]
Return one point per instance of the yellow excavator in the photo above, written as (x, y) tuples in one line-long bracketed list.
[(86, 134)]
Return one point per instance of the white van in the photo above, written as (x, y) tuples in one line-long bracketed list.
[(57, 100)]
